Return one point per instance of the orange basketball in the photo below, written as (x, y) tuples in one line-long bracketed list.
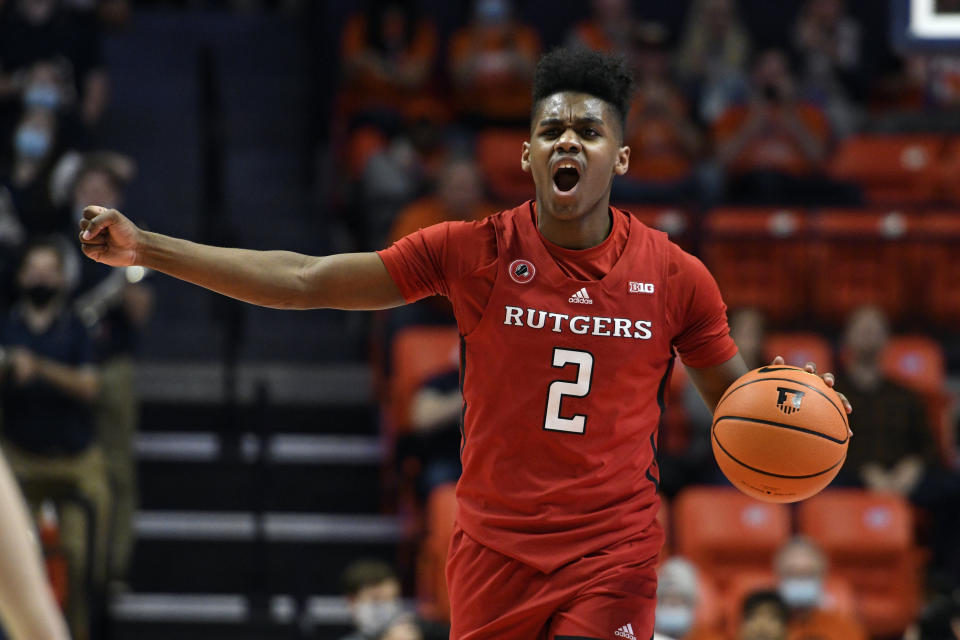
[(780, 434)]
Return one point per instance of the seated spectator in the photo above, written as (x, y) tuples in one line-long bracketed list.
[(118, 306), (36, 146), (36, 30), (459, 196), (435, 417), (712, 56), (388, 52), (765, 617), (664, 143), (895, 450), (678, 594), (609, 29), (774, 147), (801, 570), (492, 60), (49, 384), (373, 593), (829, 44)]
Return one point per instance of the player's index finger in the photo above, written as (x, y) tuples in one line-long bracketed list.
[(91, 212)]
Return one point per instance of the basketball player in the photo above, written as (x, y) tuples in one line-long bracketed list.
[(569, 312), (27, 607)]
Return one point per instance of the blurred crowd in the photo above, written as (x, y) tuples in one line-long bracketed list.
[(68, 327)]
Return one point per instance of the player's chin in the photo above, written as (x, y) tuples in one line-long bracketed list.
[(565, 202)]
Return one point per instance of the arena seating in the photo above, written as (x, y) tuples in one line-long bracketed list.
[(498, 152), (419, 352), (869, 540), (800, 348), (892, 169)]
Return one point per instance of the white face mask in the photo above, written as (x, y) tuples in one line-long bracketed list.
[(801, 593), (673, 620), (372, 618)]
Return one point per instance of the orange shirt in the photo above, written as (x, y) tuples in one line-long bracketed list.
[(369, 89), (704, 633), (826, 625), (657, 153), (494, 93), (775, 149), (425, 212)]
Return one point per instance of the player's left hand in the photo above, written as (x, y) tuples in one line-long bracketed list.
[(828, 378)]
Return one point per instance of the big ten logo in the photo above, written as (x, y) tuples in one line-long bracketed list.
[(640, 287)]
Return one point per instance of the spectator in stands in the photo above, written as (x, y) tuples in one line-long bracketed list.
[(801, 569), (435, 413), (459, 196), (388, 52), (609, 29), (491, 65), (765, 617), (36, 30), (678, 594), (36, 146), (49, 385), (117, 304), (712, 56), (373, 593), (940, 620), (774, 147), (829, 43), (664, 143), (894, 450)]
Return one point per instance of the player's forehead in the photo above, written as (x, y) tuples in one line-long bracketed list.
[(571, 107)]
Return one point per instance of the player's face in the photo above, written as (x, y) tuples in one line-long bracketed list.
[(575, 149)]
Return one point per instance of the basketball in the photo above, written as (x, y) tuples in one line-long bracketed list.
[(779, 434)]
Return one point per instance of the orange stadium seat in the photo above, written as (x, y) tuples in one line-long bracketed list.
[(709, 611), (800, 348), (918, 362), (498, 153), (838, 595), (936, 267), (758, 257), (869, 540), (861, 257), (419, 353), (673, 221), (892, 169), (723, 532), (949, 170), (434, 601)]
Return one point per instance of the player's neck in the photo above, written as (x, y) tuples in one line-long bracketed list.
[(581, 232)]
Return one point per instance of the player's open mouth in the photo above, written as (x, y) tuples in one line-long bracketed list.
[(566, 176)]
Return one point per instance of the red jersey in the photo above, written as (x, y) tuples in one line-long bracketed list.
[(565, 356)]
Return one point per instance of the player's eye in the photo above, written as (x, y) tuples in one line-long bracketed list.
[(590, 133), (551, 133)]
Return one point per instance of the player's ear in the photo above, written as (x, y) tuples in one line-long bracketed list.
[(623, 161), (525, 157)]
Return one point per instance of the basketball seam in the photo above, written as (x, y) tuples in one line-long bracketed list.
[(780, 424), (803, 384), (778, 475)]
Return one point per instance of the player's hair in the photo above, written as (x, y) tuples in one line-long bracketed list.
[(758, 599), (585, 71), (366, 573)]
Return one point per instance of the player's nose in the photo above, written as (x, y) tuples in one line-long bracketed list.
[(568, 142)]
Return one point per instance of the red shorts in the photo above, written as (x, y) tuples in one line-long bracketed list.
[(607, 595)]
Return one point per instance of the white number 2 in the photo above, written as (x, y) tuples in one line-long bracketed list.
[(559, 388)]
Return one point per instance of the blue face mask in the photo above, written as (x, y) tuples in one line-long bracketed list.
[(492, 11), (31, 143), (42, 95), (673, 620), (801, 593)]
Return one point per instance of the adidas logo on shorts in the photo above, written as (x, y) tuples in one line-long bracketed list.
[(581, 297), (626, 631)]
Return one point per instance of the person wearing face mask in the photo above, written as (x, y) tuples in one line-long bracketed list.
[(48, 386), (373, 593), (36, 146), (678, 593), (801, 570), (765, 617)]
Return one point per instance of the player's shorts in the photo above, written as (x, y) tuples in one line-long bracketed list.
[(607, 595)]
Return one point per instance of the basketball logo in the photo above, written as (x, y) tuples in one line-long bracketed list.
[(522, 271), (789, 400)]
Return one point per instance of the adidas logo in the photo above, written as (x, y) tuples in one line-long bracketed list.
[(581, 297), (626, 631)]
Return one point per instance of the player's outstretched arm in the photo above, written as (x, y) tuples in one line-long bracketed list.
[(26, 602), (278, 279)]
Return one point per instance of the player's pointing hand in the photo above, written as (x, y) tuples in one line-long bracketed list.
[(107, 236)]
